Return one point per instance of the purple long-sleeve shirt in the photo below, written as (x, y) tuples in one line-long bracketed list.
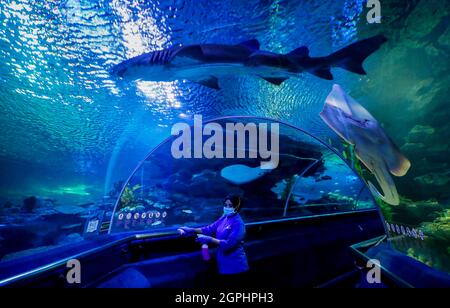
[(230, 230)]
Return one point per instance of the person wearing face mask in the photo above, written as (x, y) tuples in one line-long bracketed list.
[(227, 234)]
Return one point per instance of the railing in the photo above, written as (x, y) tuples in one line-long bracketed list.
[(151, 235), (356, 249)]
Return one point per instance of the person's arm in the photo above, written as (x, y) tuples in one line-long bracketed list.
[(207, 230), (236, 235), (210, 229), (187, 231)]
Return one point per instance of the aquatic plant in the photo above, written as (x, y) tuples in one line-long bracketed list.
[(349, 155), (386, 209), (420, 256), (439, 229), (128, 196), (348, 152)]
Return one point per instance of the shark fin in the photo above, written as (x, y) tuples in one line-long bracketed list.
[(380, 170), (323, 73), (392, 198), (389, 192), (354, 67), (193, 52), (253, 44), (300, 52), (352, 57), (400, 168), (275, 81), (210, 82)]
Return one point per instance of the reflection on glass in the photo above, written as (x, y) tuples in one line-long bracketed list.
[(310, 179)]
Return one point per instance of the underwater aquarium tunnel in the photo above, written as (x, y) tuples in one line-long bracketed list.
[(310, 219)]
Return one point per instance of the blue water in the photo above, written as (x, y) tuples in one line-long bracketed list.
[(69, 131), (64, 116)]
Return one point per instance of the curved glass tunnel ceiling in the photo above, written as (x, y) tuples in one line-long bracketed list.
[(310, 179)]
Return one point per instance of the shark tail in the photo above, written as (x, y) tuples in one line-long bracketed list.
[(351, 58)]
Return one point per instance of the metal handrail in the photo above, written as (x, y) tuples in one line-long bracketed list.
[(373, 242), (142, 236)]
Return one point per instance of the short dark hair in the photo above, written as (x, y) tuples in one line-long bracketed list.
[(235, 200)]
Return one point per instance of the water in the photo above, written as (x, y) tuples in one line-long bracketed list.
[(69, 131)]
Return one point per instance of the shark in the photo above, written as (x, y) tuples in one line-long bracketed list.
[(206, 63), (372, 146)]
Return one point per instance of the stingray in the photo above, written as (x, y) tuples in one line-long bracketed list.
[(373, 147), (242, 174)]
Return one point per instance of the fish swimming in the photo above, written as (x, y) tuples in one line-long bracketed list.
[(373, 147), (242, 174), (205, 63)]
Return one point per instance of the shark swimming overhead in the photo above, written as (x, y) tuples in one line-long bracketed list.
[(373, 147), (205, 63)]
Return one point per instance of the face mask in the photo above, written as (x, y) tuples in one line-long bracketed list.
[(228, 210)]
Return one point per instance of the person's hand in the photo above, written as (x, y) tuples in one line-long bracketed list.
[(186, 231), (204, 239)]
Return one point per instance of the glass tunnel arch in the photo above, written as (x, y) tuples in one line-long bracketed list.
[(307, 189)]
